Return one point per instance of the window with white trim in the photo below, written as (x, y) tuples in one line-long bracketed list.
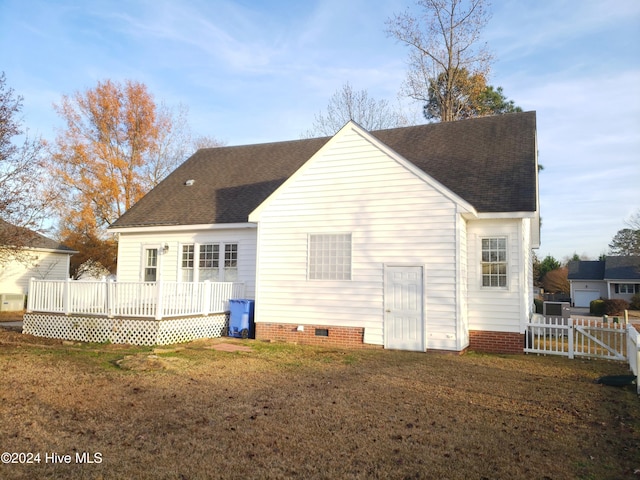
[(188, 258), (216, 262), (209, 262), (494, 262), (230, 262), (329, 257), (150, 264), (626, 288)]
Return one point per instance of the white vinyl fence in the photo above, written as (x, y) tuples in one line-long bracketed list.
[(586, 337), (155, 300)]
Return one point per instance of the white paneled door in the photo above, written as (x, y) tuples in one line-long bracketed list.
[(403, 305)]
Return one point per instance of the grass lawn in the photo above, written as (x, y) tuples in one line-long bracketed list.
[(287, 411)]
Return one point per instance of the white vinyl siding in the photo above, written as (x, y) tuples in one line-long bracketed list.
[(42, 265), (492, 308), (171, 264), (394, 217)]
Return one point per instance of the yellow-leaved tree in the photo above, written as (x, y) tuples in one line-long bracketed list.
[(117, 145)]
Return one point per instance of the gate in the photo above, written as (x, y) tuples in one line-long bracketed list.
[(571, 337)]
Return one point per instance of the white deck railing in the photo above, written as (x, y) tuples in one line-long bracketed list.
[(131, 299)]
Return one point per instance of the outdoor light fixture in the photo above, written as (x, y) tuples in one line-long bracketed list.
[(165, 249)]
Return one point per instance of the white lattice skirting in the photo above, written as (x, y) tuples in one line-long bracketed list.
[(125, 330)]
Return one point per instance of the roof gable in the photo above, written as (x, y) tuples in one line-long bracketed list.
[(353, 128), (489, 162)]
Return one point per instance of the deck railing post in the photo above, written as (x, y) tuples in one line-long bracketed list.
[(30, 295), (109, 300), (159, 300), (66, 297), (205, 297)]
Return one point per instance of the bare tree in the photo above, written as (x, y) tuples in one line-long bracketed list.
[(444, 50), (23, 204), (347, 104), (634, 220)]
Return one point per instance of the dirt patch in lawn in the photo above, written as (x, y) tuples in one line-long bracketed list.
[(287, 411)]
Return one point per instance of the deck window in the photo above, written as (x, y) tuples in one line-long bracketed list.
[(151, 265), (209, 262), (494, 262), (188, 256), (230, 262), (330, 257)]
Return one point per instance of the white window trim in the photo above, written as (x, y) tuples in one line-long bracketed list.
[(507, 262), (143, 260), (221, 258)]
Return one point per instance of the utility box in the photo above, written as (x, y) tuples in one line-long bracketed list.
[(11, 302), (557, 313), (557, 309), (241, 318)]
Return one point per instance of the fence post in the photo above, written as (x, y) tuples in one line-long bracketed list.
[(570, 337)]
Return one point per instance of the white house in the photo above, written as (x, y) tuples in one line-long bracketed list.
[(39, 257), (613, 277), (411, 238)]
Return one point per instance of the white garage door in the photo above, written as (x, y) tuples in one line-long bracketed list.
[(584, 297)]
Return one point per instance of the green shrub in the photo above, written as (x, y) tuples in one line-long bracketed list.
[(596, 307), (615, 306), (635, 302)]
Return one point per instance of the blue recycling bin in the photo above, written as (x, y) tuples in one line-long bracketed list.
[(241, 323)]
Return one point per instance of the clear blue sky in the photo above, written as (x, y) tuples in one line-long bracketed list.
[(258, 71)]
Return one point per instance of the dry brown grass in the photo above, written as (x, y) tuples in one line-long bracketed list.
[(287, 411)]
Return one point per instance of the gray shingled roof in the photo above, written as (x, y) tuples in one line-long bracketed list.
[(622, 268), (611, 268), (586, 270), (490, 162), (31, 239)]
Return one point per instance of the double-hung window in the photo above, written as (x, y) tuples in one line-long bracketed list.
[(216, 262), (329, 257), (230, 262), (494, 262), (209, 262)]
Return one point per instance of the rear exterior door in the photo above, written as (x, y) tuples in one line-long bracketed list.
[(403, 306)]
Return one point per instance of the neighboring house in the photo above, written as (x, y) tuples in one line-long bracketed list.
[(411, 238), (613, 277), (38, 257)]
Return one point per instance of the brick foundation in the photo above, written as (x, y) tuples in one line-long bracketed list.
[(348, 337), (496, 342)]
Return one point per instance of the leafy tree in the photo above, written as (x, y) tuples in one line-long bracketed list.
[(472, 97), (494, 102), (556, 281), (347, 104), (444, 52), (23, 204), (548, 264), (626, 242), (117, 145)]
